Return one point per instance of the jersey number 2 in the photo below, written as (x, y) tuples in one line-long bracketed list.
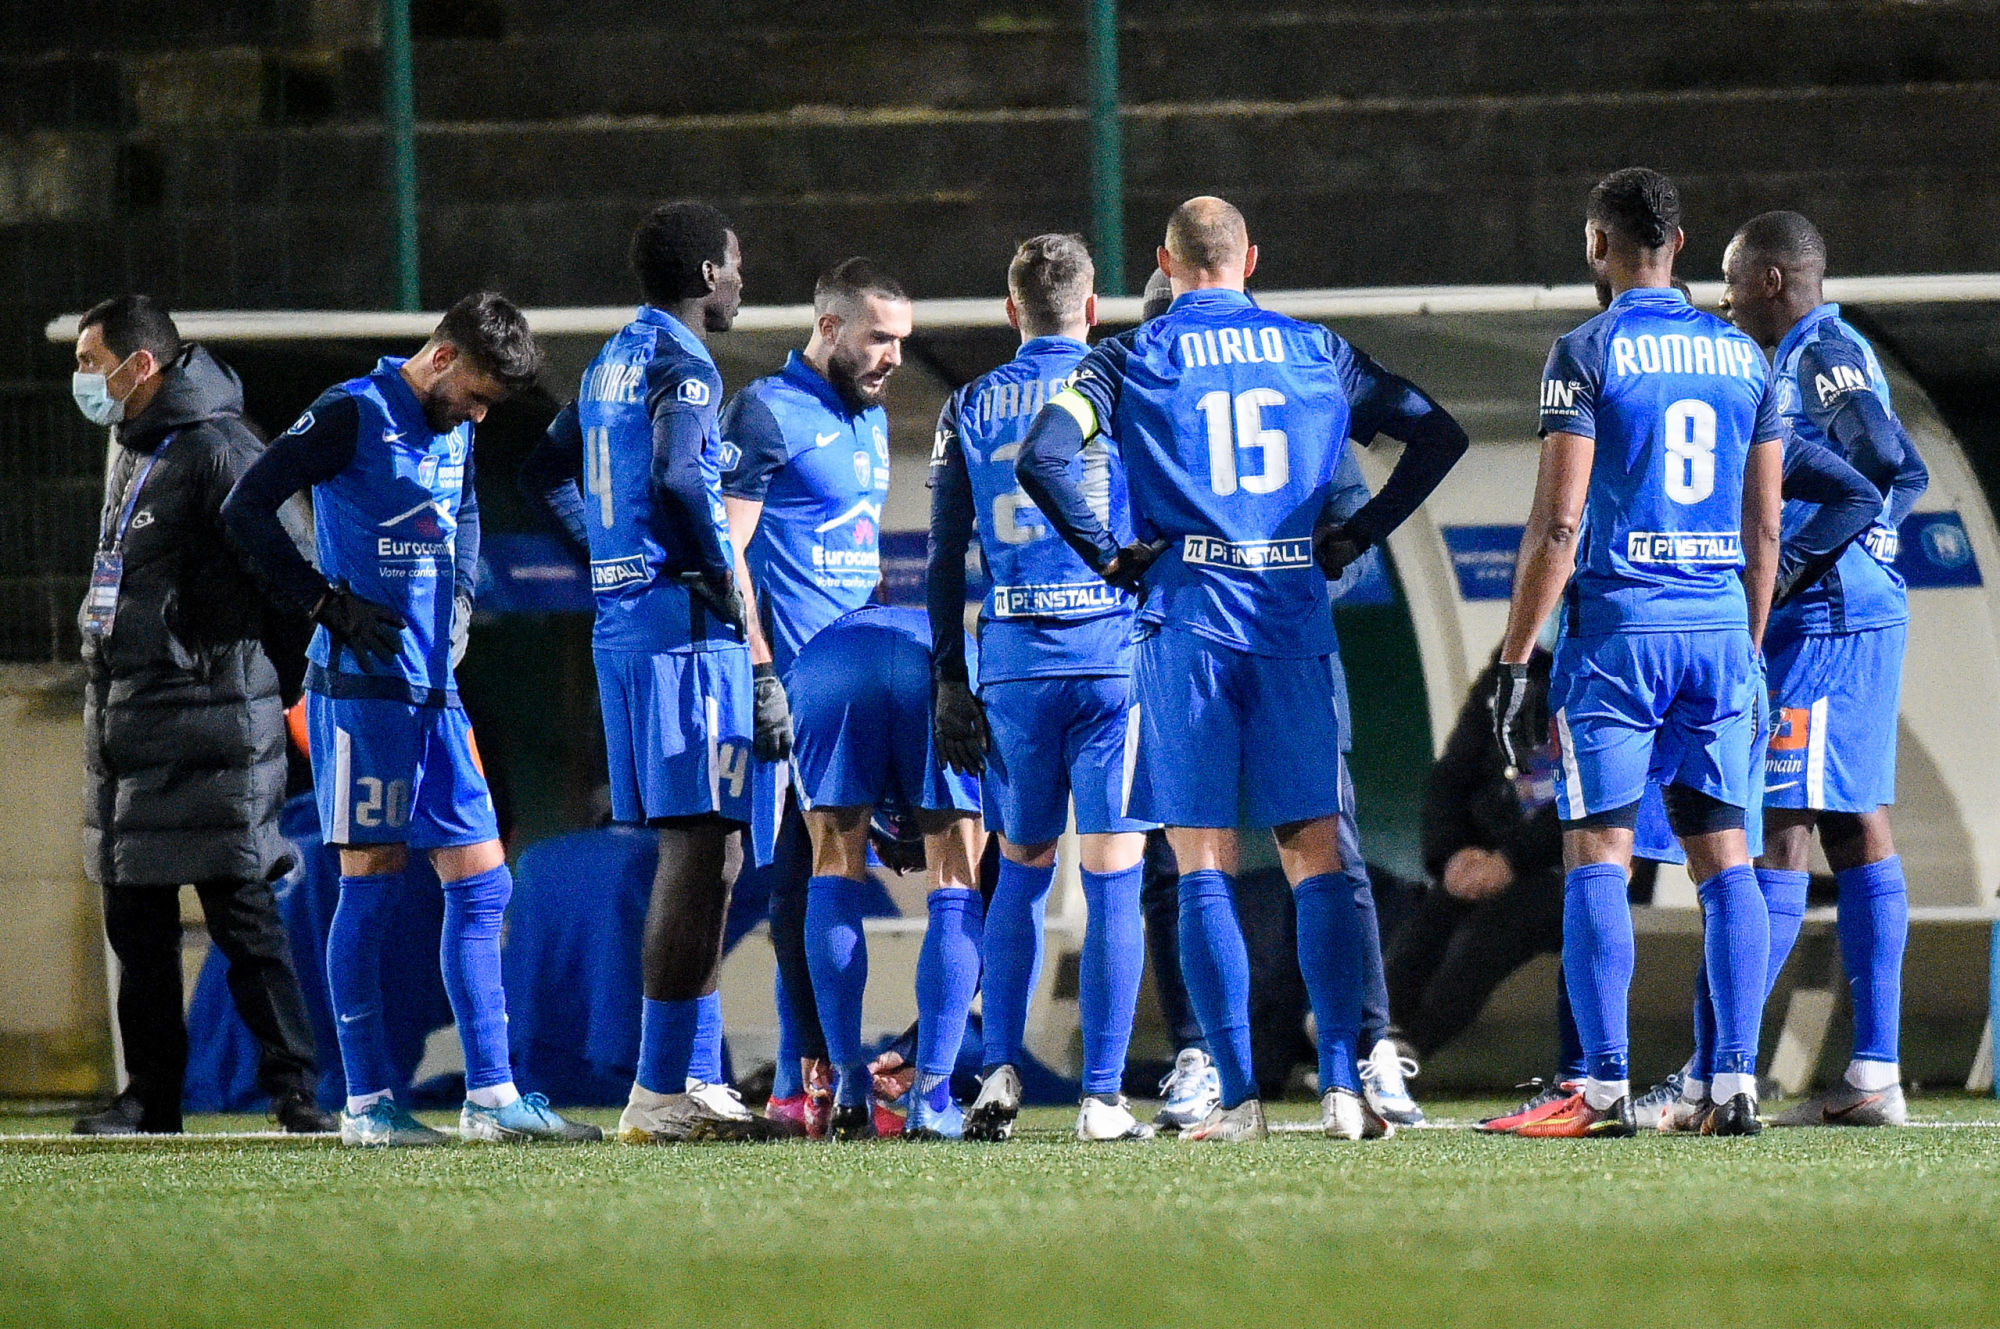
[(1690, 426), (1238, 425)]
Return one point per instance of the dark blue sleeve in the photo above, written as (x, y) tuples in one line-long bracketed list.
[(1847, 506), (754, 447), (465, 540), (681, 404), (313, 451), (1837, 393), (1912, 479), (1055, 438), (1433, 441), (952, 524), (1569, 391), (1350, 495), (549, 476)]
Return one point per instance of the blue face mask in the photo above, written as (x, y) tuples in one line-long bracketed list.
[(93, 395)]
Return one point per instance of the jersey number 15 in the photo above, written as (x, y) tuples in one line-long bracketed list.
[(1237, 426)]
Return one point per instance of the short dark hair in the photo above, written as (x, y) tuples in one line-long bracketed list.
[(1783, 240), (131, 323), (486, 326), (1640, 204), (848, 282), (1159, 297), (670, 246), (1050, 278)]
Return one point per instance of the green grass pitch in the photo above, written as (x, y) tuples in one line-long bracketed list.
[(1436, 1227)]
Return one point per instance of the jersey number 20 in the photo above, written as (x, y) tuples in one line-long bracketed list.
[(1690, 427), (1238, 425)]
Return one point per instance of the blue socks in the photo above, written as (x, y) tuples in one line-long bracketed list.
[(1785, 904), (354, 981), (1013, 957), (1874, 925), (787, 1081), (1332, 956), (947, 978), (1114, 958), (1597, 962), (706, 1062), (1216, 969), (666, 1044), (470, 956), (1736, 945), (837, 954)]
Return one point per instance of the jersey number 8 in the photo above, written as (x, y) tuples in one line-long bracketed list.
[(1690, 460), (1234, 426)]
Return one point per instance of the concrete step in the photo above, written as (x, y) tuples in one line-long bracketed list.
[(627, 70)]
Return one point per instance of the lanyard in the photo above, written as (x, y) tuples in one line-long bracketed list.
[(108, 539)]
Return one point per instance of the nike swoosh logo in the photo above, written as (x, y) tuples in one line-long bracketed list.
[(350, 1019), (391, 437), (821, 440), (1774, 788), (1835, 1114)]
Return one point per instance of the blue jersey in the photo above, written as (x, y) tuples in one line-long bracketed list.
[(386, 524), (653, 385), (1231, 421), (1047, 614), (1820, 365), (822, 473), (1675, 399)]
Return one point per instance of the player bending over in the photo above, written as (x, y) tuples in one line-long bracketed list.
[(1231, 422), (860, 697), (1055, 677), (673, 672), (389, 460), (1659, 487)]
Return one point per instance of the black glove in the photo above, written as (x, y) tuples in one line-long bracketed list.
[(1510, 700), (1128, 566), (360, 625), (898, 854), (461, 627), (958, 727), (773, 726), (718, 591), (1334, 547)]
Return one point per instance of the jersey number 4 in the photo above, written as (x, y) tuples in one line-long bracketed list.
[(1237, 425), (1690, 459), (597, 471)]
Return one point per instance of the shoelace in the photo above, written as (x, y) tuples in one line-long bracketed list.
[(1666, 1091), (1407, 1069), (1182, 1080)]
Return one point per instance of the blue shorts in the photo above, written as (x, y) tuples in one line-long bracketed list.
[(1054, 739), (862, 724), (677, 733), (1677, 707), (388, 772), (1834, 700), (1227, 738)]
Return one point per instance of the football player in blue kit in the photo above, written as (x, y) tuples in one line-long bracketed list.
[(1231, 422), (388, 458), (1049, 719), (1659, 489), (1835, 648), (805, 474), (673, 667), (860, 693)]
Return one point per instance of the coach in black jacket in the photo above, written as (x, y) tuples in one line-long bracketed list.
[(184, 734)]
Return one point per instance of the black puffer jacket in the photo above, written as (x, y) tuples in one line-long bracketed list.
[(184, 729)]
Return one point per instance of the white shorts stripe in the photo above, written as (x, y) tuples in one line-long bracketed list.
[(343, 787), (714, 716), (1573, 808), (1131, 765), (1816, 755)]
